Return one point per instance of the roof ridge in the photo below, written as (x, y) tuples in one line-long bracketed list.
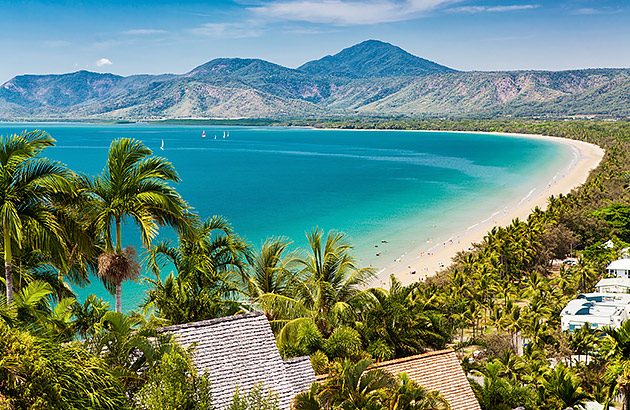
[(414, 357), (296, 359), (210, 322), (324, 376)]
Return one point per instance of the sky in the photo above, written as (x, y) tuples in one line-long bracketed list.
[(159, 36)]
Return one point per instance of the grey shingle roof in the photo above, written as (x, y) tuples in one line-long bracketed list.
[(300, 372), (241, 351)]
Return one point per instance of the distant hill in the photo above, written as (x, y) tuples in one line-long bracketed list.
[(370, 59), (370, 78)]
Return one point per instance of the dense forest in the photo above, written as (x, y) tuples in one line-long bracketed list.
[(498, 305)]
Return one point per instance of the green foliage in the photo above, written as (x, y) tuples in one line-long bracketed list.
[(129, 347), (497, 393), (323, 291), (345, 342), (175, 385), (40, 374), (320, 362), (208, 260), (89, 316), (355, 386), (561, 386), (399, 322), (408, 395), (133, 184), (31, 189), (501, 293), (258, 398), (309, 337), (617, 215)]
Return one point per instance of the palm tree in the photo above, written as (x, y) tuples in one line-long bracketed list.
[(497, 393), (129, 347), (271, 270), (616, 350), (323, 291), (116, 267), (399, 322), (408, 395), (353, 386), (562, 385), (134, 184), (209, 261), (28, 188)]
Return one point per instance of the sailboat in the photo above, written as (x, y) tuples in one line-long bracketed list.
[(228, 135), (223, 134), (203, 134), (162, 147)]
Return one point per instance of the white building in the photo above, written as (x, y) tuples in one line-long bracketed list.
[(613, 285), (597, 309), (609, 306), (619, 268)]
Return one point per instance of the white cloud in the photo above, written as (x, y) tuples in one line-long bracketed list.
[(495, 9), (586, 11), (102, 62), (347, 12), (228, 30), (143, 32), (591, 11)]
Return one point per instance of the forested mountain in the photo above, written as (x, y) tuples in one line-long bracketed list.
[(370, 78), (373, 59)]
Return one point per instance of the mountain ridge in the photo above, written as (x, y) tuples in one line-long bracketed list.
[(369, 78)]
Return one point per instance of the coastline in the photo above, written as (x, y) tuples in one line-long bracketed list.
[(427, 262)]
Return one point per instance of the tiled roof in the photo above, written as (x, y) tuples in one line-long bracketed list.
[(439, 370), (300, 373), (241, 351)]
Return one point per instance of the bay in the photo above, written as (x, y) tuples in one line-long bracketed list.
[(405, 187)]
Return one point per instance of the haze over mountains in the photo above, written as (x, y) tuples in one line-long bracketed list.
[(370, 78)]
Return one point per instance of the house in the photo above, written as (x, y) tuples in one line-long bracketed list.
[(608, 306), (241, 351), (439, 370), (613, 285), (619, 268), (597, 309)]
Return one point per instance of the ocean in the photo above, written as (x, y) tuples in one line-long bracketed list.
[(408, 188)]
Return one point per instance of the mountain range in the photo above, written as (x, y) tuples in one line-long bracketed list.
[(372, 78)]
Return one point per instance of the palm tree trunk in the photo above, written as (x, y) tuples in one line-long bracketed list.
[(119, 297), (8, 265), (118, 235), (8, 272)]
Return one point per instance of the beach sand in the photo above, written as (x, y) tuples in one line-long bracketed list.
[(426, 262)]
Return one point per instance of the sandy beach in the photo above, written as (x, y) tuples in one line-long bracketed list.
[(426, 262)]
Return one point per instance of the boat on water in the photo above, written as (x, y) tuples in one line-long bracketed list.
[(162, 147), (223, 134), (203, 134)]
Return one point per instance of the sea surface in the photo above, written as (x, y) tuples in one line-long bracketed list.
[(409, 188)]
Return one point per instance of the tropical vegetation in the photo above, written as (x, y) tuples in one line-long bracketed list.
[(498, 305)]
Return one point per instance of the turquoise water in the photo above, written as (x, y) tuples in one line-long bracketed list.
[(401, 186)]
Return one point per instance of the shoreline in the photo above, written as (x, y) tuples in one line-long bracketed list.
[(428, 262)]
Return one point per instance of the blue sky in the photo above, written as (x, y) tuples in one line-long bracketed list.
[(158, 36)]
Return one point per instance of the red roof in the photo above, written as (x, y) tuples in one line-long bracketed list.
[(439, 370)]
